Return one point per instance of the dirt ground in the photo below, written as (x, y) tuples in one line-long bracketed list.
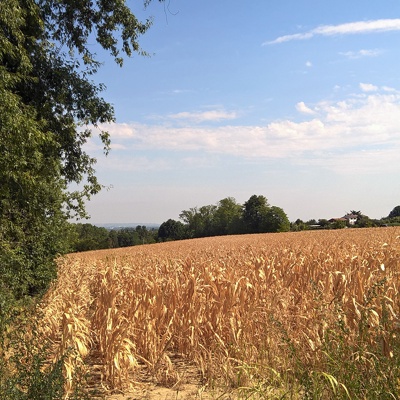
[(184, 392), (189, 386)]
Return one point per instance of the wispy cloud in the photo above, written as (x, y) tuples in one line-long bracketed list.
[(204, 116), (361, 53), (368, 87), (361, 129), (133, 164), (388, 89), (181, 91), (359, 27), (121, 130)]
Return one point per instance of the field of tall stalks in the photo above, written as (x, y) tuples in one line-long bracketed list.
[(290, 315)]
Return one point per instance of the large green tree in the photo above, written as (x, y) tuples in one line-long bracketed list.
[(171, 230), (255, 214), (228, 217), (90, 237), (395, 212), (259, 216), (277, 220), (199, 221), (48, 108)]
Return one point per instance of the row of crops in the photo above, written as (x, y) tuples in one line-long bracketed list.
[(271, 314)]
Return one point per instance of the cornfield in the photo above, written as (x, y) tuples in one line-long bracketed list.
[(276, 313)]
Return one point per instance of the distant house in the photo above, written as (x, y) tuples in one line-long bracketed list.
[(350, 219), (314, 226), (337, 219)]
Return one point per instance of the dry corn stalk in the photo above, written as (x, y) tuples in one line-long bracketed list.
[(223, 302)]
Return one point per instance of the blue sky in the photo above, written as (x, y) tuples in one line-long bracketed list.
[(296, 100)]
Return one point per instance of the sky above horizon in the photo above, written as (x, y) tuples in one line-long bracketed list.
[(298, 101)]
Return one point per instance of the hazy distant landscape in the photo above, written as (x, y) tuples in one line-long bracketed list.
[(127, 225)]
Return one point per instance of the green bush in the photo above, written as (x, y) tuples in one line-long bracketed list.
[(25, 371)]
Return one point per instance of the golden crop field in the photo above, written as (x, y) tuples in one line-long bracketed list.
[(269, 313)]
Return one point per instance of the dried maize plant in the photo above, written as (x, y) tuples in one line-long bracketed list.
[(62, 321), (150, 316), (75, 342), (252, 303), (111, 327), (65, 321)]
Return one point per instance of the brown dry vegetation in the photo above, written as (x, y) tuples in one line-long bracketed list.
[(251, 311)]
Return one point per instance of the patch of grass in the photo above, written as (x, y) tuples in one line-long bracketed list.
[(25, 370)]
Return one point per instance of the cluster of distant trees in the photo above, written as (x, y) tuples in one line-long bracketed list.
[(363, 221), (227, 217), (85, 237), (255, 216)]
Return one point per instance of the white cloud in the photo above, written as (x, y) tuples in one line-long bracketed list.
[(181, 91), (204, 116), (368, 87), (114, 162), (361, 53), (301, 107), (121, 130), (388, 89), (362, 130), (288, 38), (372, 161), (359, 27), (309, 64), (117, 146)]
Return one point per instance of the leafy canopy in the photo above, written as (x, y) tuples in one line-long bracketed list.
[(395, 212), (48, 108)]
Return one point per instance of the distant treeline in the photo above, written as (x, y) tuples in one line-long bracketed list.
[(227, 217), (85, 237)]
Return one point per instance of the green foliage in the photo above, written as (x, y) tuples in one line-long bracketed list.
[(29, 196), (48, 108), (300, 225), (90, 237), (171, 230), (86, 237), (199, 221), (365, 222), (395, 212), (255, 214), (127, 237), (338, 224), (26, 373), (394, 221), (134, 236), (277, 220), (323, 223), (259, 216), (227, 218)]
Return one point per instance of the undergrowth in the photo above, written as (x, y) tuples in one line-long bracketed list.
[(25, 370)]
